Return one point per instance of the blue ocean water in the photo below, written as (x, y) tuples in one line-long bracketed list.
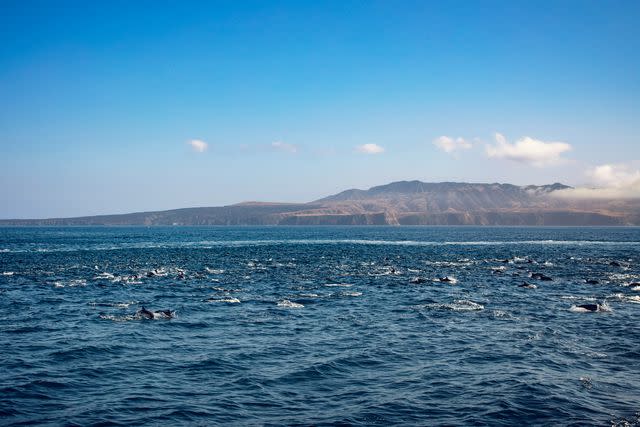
[(315, 326)]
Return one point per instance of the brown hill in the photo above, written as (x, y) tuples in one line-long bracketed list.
[(397, 203)]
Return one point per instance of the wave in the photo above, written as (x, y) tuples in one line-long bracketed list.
[(457, 305), (230, 300), (113, 304), (355, 294), (285, 303), (207, 244)]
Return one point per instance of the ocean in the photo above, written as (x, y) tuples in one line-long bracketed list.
[(319, 326)]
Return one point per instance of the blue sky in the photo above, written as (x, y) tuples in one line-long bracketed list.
[(295, 100)]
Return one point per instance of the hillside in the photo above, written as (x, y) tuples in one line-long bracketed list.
[(397, 203)]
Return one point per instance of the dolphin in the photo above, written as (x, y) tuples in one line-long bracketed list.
[(540, 276), (527, 285), (590, 307), (147, 314)]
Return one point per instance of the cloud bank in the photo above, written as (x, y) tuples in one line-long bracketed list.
[(369, 149), (608, 181), (528, 150), (451, 145), (198, 146)]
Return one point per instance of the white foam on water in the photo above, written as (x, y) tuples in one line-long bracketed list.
[(449, 263), (462, 305), (622, 276), (338, 285), (352, 294), (225, 300), (457, 305), (636, 288), (244, 243), (8, 273), (605, 307), (117, 318), (634, 299), (285, 303), (113, 304), (572, 297), (214, 270), (77, 282)]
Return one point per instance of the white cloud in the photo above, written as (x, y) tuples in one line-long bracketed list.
[(608, 181), (369, 149), (198, 145), (615, 176), (450, 145), (284, 147), (528, 150)]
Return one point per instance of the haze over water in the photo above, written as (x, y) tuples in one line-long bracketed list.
[(319, 326)]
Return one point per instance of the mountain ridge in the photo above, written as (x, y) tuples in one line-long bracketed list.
[(396, 203)]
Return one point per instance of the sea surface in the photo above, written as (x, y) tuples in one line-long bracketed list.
[(319, 326)]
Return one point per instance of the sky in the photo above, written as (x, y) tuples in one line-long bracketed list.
[(119, 106)]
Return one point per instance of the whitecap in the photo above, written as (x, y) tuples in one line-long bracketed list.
[(117, 318), (457, 305), (77, 282), (214, 270), (572, 297), (467, 305), (8, 273), (226, 300), (113, 304), (285, 303), (338, 285), (352, 294), (634, 299)]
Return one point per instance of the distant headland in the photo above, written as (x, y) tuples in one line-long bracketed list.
[(397, 203)]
